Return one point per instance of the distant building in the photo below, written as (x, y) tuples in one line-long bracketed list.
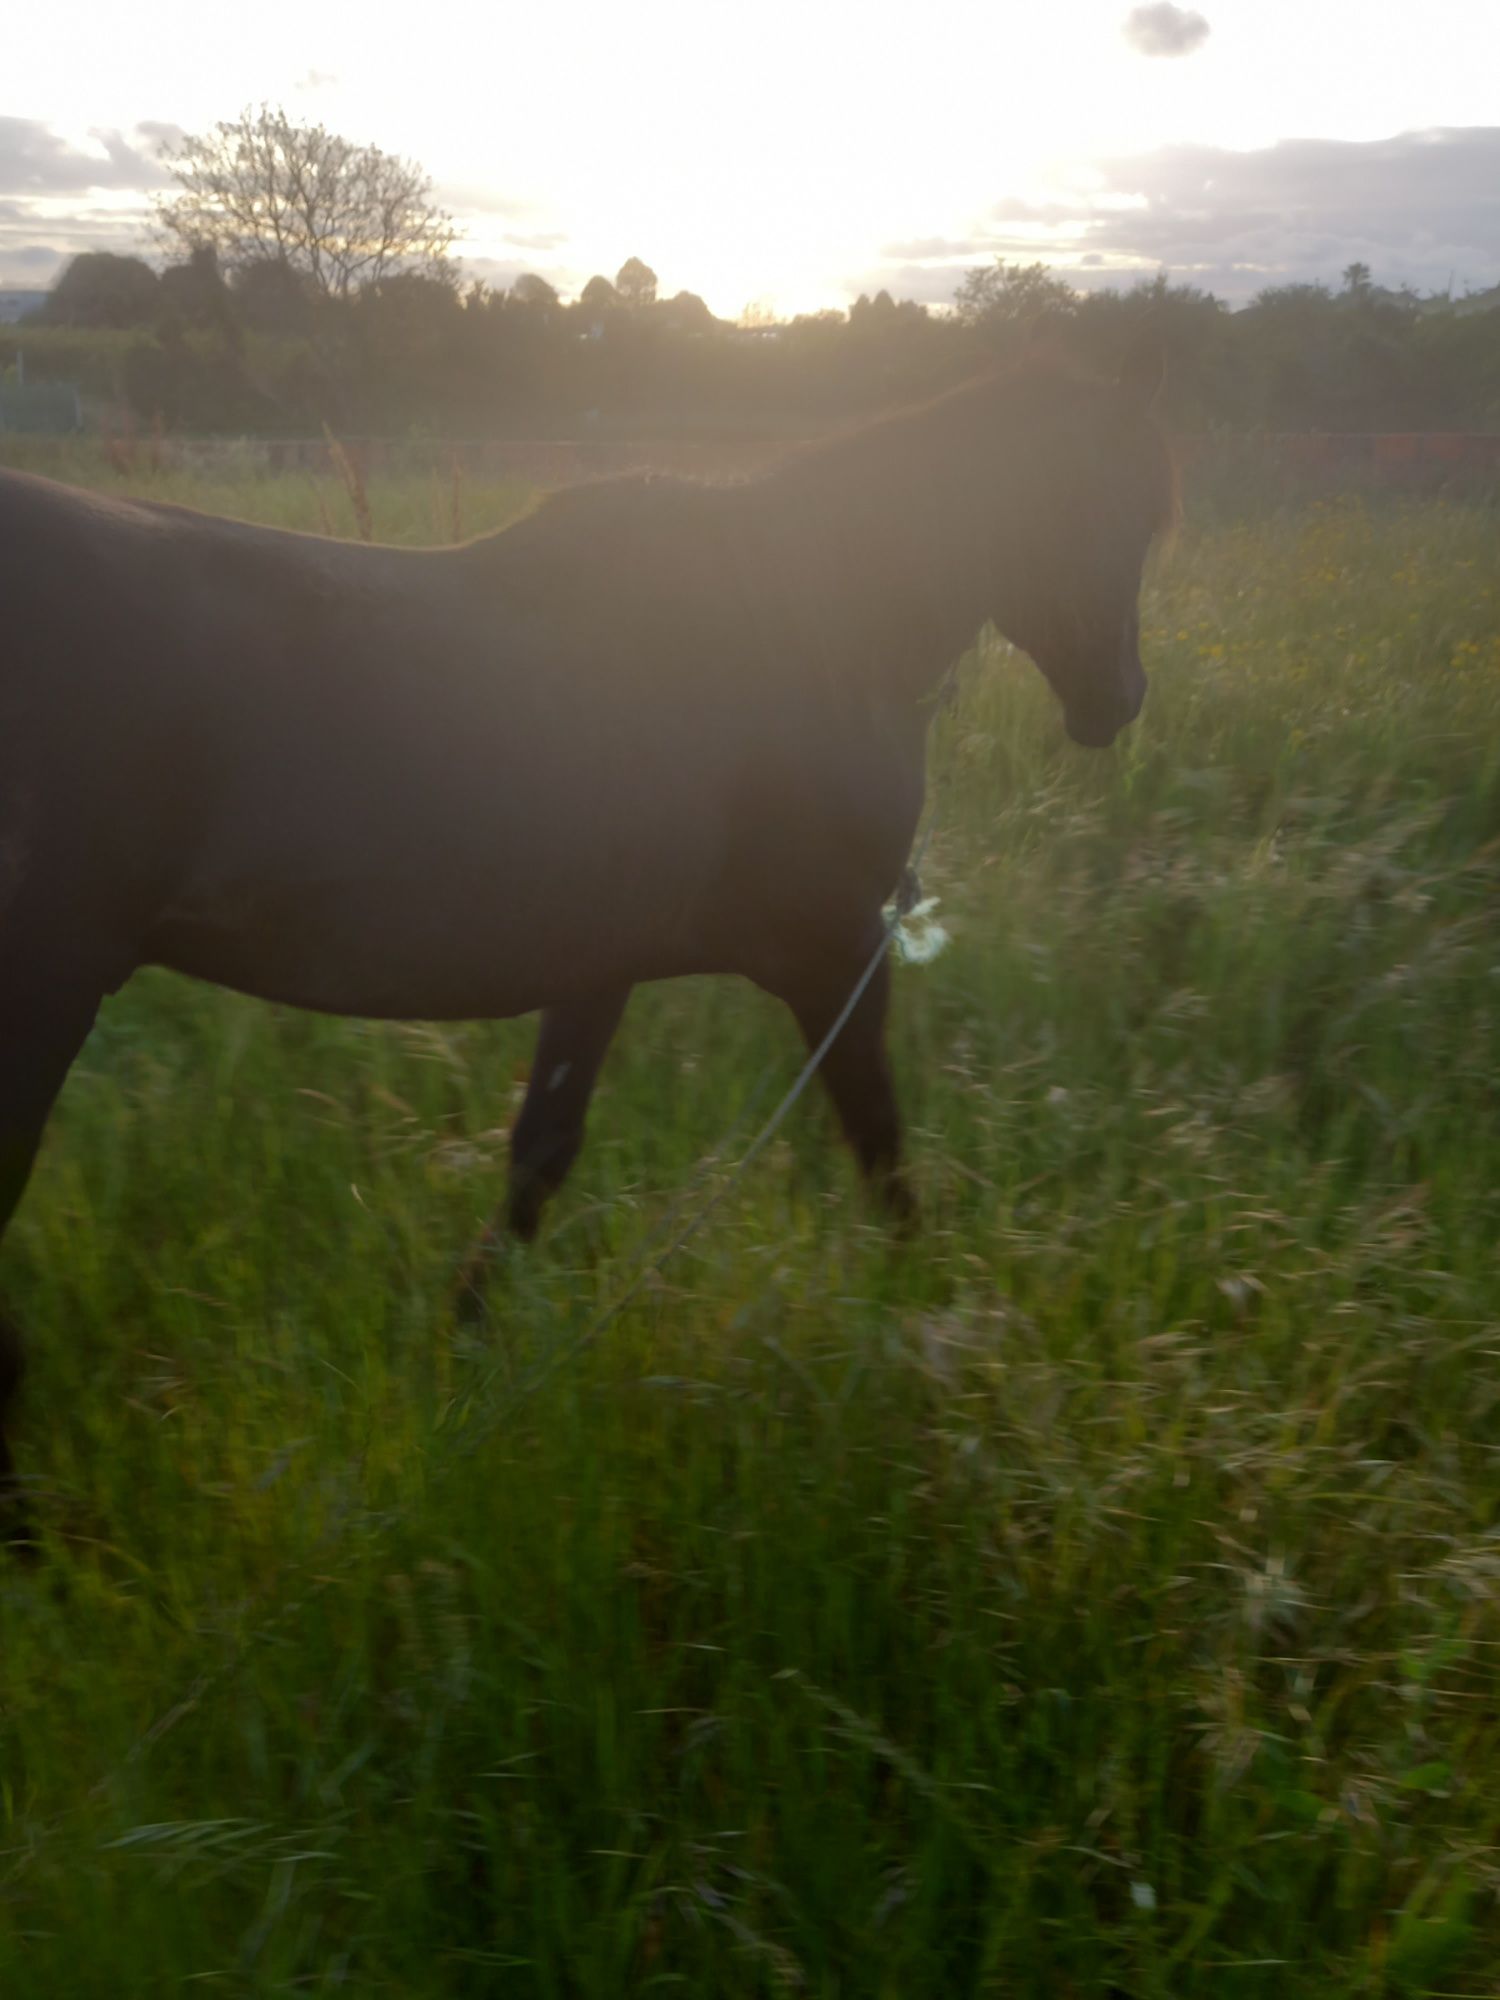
[(16, 305)]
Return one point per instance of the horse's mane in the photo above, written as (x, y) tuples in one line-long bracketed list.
[(1033, 383)]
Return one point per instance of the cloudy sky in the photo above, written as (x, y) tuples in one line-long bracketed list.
[(793, 153)]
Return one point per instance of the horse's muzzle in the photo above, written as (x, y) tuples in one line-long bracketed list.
[(1092, 733)]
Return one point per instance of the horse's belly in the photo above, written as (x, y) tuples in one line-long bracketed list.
[(433, 876), (334, 976), (446, 951), (381, 967)]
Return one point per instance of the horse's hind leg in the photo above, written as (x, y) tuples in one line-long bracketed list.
[(46, 1011), (571, 1044)]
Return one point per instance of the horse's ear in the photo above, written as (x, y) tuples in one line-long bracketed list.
[(1143, 369)]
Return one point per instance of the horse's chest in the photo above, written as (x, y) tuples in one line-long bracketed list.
[(826, 826)]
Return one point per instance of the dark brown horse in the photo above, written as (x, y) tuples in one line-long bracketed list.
[(657, 727)]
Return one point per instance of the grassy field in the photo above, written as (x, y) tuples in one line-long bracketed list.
[(442, 506), (1099, 1596)]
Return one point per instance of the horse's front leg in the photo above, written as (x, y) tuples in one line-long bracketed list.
[(46, 1011), (571, 1044), (856, 1070)]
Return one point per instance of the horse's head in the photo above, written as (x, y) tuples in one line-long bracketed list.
[(1098, 484)]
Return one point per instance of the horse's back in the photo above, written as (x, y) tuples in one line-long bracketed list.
[(395, 781)]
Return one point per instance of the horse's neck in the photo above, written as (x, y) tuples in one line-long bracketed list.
[(877, 548)]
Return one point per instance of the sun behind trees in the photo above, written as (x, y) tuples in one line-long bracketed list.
[(312, 280)]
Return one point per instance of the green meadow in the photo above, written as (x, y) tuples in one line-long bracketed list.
[(1097, 1595)]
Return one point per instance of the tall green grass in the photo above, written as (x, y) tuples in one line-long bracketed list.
[(1100, 1595)]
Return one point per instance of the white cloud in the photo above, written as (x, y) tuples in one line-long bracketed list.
[(35, 161), (1421, 208)]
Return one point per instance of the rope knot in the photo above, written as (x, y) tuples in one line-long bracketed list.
[(915, 932)]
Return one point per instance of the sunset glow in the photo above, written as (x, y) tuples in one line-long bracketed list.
[(788, 155)]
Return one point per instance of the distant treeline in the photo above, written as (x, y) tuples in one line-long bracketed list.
[(262, 354)]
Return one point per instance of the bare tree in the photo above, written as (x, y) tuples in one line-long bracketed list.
[(264, 190)]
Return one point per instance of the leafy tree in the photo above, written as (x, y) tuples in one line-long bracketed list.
[(100, 289), (636, 283), (405, 337), (1205, 379), (1009, 295), (534, 292), (688, 312), (264, 189), (878, 318), (410, 349), (195, 294), (410, 307), (272, 298)]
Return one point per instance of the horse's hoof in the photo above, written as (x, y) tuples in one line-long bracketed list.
[(904, 1213)]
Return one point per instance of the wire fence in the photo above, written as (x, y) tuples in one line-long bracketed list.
[(1316, 459)]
